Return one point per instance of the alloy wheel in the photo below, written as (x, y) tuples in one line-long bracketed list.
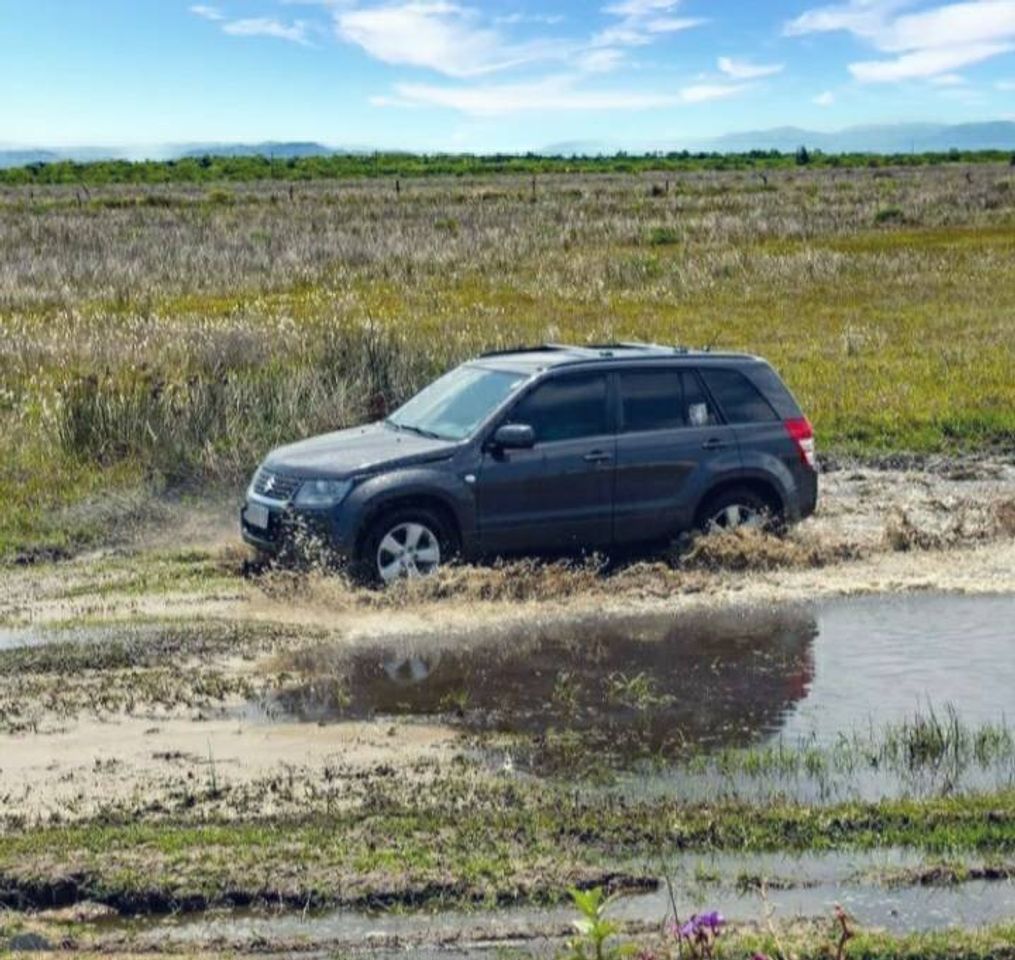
[(408, 550), (733, 516)]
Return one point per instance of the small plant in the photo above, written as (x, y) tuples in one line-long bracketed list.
[(220, 198), (663, 236), (593, 929), (889, 215), (637, 692), (456, 702), (700, 934)]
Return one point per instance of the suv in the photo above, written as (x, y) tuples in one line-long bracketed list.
[(554, 449)]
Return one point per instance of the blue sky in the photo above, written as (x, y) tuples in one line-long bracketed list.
[(503, 75)]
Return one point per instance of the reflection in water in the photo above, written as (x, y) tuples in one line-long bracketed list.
[(712, 679), (902, 694)]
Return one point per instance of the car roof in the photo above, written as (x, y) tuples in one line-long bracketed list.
[(548, 355)]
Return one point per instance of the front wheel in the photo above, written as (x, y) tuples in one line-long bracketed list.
[(735, 509), (405, 544)]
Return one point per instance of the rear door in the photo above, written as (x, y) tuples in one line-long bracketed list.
[(558, 496), (758, 428), (670, 447)]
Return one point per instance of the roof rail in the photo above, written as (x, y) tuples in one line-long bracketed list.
[(590, 351), (524, 349)]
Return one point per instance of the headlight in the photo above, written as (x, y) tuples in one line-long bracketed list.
[(322, 493)]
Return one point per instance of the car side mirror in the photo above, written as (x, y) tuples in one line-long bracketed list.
[(514, 436)]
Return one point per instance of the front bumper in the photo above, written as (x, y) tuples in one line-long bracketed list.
[(290, 530)]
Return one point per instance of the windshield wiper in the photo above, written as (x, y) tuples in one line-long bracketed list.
[(419, 431)]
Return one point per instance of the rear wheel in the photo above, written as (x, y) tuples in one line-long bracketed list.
[(407, 543), (737, 508)]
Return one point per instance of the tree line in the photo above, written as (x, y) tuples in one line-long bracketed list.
[(204, 169)]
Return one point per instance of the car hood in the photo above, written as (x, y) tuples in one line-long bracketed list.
[(359, 449)]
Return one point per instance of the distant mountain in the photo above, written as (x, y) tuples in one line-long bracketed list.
[(887, 138), (269, 148), (20, 156)]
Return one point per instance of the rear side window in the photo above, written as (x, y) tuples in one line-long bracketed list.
[(697, 405), (738, 397), (565, 408), (651, 400)]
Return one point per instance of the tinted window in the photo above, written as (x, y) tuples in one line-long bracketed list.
[(652, 400), (565, 408), (453, 406), (739, 398), (697, 406)]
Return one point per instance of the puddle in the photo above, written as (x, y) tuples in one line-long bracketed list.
[(698, 883), (833, 680), (881, 658), (799, 673)]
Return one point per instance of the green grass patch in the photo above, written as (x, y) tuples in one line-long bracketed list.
[(499, 841)]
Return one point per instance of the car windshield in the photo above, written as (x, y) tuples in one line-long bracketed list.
[(452, 407)]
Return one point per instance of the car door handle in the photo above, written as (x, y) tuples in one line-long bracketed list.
[(598, 456), (714, 443)]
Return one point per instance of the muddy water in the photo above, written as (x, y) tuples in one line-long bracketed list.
[(802, 674), (880, 659), (802, 887)]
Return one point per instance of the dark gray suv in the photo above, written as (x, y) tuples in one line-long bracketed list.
[(555, 449)]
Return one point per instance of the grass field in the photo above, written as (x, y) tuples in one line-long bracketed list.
[(164, 337)]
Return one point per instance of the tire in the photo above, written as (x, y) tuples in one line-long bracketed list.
[(738, 507), (406, 542)]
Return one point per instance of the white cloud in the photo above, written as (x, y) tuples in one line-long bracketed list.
[(602, 60), (925, 64), (436, 34), (548, 94), (459, 41), (958, 24), (641, 21), (927, 43), (207, 12), (296, 32), (744, 70), (512, 18), (865, 18), (825, 99), (704, 92), (1005, 85), (640, 8), (465, 43)]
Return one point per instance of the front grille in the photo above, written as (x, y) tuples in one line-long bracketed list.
[(275, 486)]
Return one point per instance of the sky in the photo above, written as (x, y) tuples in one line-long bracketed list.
[(487, 76)]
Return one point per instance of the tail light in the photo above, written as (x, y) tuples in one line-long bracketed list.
[(802, 434)]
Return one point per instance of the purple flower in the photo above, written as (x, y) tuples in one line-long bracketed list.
[(699, 925), (713, 920)]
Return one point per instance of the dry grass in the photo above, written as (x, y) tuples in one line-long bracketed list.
[(179, 339)]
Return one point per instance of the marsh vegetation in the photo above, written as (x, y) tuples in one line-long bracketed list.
[(163, 337)]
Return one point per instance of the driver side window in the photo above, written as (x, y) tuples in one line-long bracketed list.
[(565, 408)]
